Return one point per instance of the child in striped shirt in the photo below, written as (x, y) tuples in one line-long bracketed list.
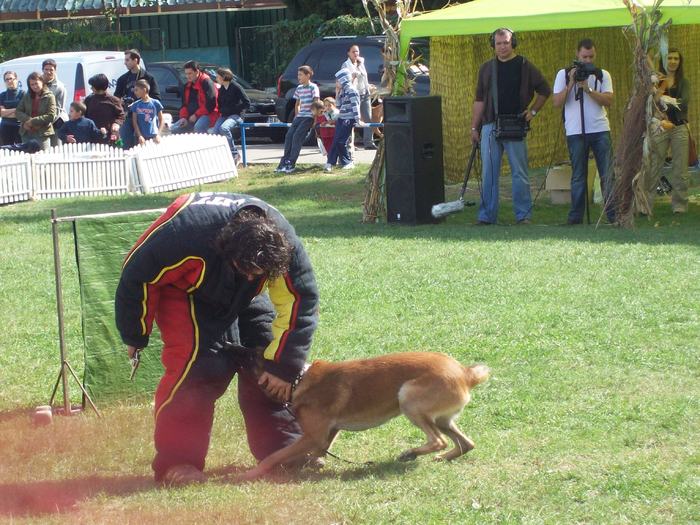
[(305, 94), (348, 118)]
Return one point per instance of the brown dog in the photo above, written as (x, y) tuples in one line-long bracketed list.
[(430, 389)]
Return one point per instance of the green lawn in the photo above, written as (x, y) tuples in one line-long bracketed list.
[(591, 414)]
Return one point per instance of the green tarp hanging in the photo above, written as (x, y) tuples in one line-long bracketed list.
[(101, 245)]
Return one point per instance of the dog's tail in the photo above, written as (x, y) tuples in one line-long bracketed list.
[(477, 374)]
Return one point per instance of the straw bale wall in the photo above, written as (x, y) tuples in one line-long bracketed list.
[(455, 62)]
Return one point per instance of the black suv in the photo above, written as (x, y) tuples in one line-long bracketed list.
[(326, 55), (171, 80)]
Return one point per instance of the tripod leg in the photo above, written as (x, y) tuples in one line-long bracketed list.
[(55, 387), (87, 396), (588, 200)]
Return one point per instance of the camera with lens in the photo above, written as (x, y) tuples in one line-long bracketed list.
[(127, 101), (585, 70)]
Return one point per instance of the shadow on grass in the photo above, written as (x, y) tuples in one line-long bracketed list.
[(8, 415), (53, 497), (332, 207), (356, 470)]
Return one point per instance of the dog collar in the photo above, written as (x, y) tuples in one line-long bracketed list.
[(299, 376)]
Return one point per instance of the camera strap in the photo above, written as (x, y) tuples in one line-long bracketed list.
[(494, 86)]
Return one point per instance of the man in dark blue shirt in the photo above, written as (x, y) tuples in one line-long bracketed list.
[(9, 126)]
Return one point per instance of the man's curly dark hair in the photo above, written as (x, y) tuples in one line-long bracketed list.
[(254, 242)]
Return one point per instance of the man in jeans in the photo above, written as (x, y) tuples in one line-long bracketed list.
[(517, 81), (305, 93), (125, 92), (200, 109), (596, 94)]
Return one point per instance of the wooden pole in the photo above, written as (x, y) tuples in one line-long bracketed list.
[(59, 307)]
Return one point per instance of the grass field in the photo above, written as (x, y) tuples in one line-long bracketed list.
[(591, 414)]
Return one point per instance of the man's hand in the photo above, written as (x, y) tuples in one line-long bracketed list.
[(193, 119), (276, 388), (476, 136), (70, 139), (135, 358)]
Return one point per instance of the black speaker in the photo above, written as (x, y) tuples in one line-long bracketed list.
[(414, 171)]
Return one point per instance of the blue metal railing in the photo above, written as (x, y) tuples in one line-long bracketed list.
[(246, 125)]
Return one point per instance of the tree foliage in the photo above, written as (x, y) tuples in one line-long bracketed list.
[(15, 44), (329, 9)]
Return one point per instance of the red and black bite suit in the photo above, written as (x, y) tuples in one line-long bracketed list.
[(175, 276)]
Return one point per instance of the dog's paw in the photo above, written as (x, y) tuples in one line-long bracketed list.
[(249, 475), (408, 455)]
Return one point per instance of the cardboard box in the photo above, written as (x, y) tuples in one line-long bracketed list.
[(558, 183), (559, 178)]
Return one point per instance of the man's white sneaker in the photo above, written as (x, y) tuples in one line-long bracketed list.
[(349, 166), (328, 168)]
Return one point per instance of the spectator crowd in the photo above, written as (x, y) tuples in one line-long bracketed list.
[(510, 93)]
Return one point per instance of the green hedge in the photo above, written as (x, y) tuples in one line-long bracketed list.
[(15, 44)]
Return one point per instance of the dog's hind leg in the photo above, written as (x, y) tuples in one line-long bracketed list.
[(462, 443)]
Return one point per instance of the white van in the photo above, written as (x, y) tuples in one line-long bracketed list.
[(74, 69)]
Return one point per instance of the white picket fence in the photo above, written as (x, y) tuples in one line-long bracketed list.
[(15, 177), (180, 161), (73, 170)]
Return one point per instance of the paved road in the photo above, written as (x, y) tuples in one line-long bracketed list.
[(259, 152)]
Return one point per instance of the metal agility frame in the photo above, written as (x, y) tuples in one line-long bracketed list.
[(66, 368)]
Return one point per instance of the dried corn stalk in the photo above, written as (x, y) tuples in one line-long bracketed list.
[(390, 14), (632, 164)]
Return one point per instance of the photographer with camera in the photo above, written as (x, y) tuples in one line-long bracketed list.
[(501, 117), (585, 91), (125, 91)]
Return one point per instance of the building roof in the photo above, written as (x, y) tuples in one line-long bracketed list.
[(38, 9)]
